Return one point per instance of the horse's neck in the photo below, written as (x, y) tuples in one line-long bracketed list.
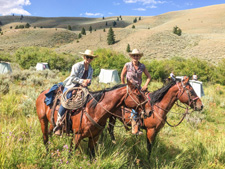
[(168, 100), (113, 100)]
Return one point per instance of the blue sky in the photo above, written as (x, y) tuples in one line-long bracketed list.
[(98, 8)]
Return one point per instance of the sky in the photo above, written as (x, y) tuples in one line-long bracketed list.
[(98, 8)]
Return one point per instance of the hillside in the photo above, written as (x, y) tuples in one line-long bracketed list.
[(203, 34)]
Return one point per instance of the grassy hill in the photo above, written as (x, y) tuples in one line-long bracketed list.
[(203, 34)]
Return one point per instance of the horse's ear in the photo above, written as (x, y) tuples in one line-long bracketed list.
[(185, 79)]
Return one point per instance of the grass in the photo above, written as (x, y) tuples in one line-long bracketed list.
[(197, 143)]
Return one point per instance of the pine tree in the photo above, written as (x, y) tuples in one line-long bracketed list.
[(103, 17), (90, 29), (114, 23), (69, 27), (128, 48), (117, 18), (106, 24), (139, 18), (83, 32), (27, 25), (104, 30), (79, 36), (133, 27), (111, 37), (135, 20)]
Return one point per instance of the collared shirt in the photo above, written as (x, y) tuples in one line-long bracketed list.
[(76, 75), (135, 75)]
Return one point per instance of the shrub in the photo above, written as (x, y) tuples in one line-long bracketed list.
[(29, 56), (177, 31), (108, 59)]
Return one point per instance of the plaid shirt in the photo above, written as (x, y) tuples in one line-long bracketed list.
[(76, 75)]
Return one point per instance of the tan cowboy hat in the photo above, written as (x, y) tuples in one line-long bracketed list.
[(135, 52), (88, 53)]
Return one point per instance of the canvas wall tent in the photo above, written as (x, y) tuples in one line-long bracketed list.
[(42, 66), (109, 76), (197, 86), (5, 67)]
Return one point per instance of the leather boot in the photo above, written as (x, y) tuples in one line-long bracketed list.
[(58, 128), (135, 129)]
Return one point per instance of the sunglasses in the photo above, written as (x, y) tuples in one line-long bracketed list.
[(89, 57), (136, 56)]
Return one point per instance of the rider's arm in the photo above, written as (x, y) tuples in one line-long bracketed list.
[(123, 73), (148, 79)]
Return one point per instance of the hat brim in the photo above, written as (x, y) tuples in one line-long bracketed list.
[(88, 54), (131, 54)]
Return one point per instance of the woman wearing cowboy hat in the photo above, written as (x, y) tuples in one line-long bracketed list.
[(81, 74), (133, 71)]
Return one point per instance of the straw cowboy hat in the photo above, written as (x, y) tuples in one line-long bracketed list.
[(88, 53), (135, 52)]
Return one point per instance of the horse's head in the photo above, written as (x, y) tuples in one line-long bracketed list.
[(136, 99), (187, 95)]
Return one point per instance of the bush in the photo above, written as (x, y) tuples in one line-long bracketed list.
[(177, 31), (108, 59), (29, 56)]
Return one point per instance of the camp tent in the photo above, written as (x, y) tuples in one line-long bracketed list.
[(197, 86), (5, 67), (42, 66), (109, 76)]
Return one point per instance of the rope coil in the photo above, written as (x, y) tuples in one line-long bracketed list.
[(77, 100)]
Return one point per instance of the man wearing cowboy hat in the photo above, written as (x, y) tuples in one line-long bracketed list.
[(81, 74), (133, 71)]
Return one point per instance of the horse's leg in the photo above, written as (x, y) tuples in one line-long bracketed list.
[(112, 121), (44, 128), (50, 130), (151, 133), (91, 145)]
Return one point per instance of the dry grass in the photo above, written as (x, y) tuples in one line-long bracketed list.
[(203, 34)]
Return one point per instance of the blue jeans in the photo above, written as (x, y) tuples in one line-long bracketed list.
[(62, 110), (134, 114)]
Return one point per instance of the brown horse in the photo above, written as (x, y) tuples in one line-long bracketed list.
[(98, 109), (162, 101)]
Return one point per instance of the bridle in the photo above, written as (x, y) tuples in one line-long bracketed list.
[(137, 102), (190, 100)]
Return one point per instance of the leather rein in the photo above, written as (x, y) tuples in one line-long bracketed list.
[(190, 101)]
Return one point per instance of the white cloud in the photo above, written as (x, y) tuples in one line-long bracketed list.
[(188, 4), (93, 14), (8, 7), (140, 9), (145, 2), (116, 3), (152, 6), (110, 13)]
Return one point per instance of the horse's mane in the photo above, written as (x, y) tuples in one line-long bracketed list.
[(158, 95), (99, 95)]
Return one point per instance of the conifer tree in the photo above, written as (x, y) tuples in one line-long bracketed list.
[(83, 32), (128, 48), (133, 27), (106, 24), (104, 30), (111, 37), (139, 18), (114, 23), (90, 29), (135, 20), (79, 36), (27, 25), (69, 27), (103, 17)]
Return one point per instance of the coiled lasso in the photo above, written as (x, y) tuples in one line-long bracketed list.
[(76, 101)]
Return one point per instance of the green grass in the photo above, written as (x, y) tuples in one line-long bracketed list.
[(199, 142)]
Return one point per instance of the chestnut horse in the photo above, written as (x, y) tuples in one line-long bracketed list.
[(162, 101), (96, 112)]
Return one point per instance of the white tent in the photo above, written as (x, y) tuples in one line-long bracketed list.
[(109, 76), (5, 67), (197, 86), (42, 66)]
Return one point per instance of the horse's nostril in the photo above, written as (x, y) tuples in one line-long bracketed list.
[(202, 107)]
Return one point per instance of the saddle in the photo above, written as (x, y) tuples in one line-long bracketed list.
[(66, 122)]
